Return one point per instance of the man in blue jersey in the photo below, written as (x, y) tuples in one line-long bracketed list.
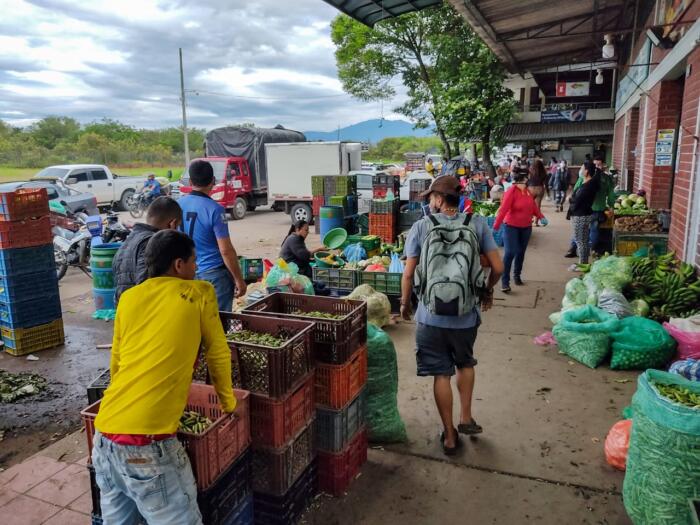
[(204, 220)]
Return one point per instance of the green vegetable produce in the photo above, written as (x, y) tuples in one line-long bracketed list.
[(485, 208), (16, 386), (248, 336), (678, 394), (193, 422), (319, 315)]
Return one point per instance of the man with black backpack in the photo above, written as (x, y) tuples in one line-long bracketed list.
[(444, 268)]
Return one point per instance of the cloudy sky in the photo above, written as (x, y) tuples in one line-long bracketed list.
[(262, 61)]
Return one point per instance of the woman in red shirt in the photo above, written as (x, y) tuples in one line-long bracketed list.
[(516, 211)]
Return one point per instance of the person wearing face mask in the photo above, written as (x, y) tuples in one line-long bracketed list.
[(516, 212)]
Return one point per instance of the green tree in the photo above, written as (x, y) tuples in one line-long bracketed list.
[(50, 131), (113, 130)]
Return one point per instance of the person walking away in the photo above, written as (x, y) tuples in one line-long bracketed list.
[(294, 248), (140, 466), (516, 212), (204, 220), (559, 184), (129, 264), (536, 183), (443, 257), (151, 188), (551, 171), (581, 211)]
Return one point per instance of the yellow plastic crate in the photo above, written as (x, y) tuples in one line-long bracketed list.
[(22, 341), (627, 243)]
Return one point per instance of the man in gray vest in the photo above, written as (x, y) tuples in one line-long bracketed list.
[(444, 267)]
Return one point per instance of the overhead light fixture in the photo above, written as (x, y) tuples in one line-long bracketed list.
[(599, 77), (609, 47)]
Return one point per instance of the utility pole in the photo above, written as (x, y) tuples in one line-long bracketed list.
[(184, 113)]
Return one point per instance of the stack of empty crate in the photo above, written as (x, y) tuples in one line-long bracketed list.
[(334, 190), (414, 211), (30, 307), (384, 213), (340, 353)]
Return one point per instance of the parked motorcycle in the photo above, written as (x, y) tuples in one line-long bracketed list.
[(114, 230), (137, 204), (72, 248)]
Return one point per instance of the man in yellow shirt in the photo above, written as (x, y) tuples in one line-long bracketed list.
[(140, 466)]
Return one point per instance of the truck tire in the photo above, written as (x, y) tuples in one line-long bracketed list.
[(301, 212), (123, 202), (239, 209)]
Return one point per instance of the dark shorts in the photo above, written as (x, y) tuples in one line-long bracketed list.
[(440, 350)]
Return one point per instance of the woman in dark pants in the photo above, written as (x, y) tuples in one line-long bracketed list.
[(581, 211), (516, 211), (294, 248)]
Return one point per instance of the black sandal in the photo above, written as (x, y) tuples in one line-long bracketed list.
[(470, 428), (450, 451)]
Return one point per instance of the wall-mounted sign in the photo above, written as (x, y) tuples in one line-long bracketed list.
[(573, 89), (576, 115), (664, 147), (663, 159), (549, 145), (665, 134), (637, 74), (670, 12)]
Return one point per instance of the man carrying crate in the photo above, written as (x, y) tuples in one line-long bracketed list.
[(140, 466), (444, 254)]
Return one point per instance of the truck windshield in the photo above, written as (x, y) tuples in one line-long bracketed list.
[(219, 171), (51, 173)]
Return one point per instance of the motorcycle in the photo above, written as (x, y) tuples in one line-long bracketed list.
[(114, 230), (72, 248), (137, 204)]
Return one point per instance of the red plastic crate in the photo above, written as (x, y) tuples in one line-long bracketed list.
[(212, 452), (317, 202), (273, 423), (23, 203), (27, 232), (264, 369), (385, 233), (336, 471), (336, 385)]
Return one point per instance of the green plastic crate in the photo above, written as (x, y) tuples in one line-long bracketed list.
[(252, 269), (340, 200), (317, 185), (346, 185), (384, 282), (337, 278), (368, 242)]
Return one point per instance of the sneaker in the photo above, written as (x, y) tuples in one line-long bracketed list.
[(571, 254), (505, 288), (518, 281)]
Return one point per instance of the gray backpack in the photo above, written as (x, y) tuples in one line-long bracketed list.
[(449, 279)]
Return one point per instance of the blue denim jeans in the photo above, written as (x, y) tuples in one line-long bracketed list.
[(223, 284), (515, 242), (155, 481)]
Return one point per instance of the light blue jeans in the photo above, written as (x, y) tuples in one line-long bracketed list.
[(222, 281), (155, 481)]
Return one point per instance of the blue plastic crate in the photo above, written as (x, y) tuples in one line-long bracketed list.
[(15, 288), (21, 261), (243, 514), (32, 312)]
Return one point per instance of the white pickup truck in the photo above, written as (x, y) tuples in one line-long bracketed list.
[(96, 179)]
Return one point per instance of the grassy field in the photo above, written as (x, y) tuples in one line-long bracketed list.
[(15, 174)]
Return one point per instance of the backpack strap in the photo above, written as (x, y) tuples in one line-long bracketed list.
[(467, 219), (434, 220)]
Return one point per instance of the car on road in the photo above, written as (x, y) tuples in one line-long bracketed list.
[(96, 179), (75, 201)]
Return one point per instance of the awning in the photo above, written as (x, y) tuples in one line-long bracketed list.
[(558, 130), (369, 12)]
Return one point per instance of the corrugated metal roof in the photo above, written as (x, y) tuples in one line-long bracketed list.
[(369, 12), (559, 130)]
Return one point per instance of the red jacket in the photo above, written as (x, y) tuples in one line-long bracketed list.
[(517, 209)]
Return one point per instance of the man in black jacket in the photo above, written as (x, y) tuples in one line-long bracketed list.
[(129, 264)]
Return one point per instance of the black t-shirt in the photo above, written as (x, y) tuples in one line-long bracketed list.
[(582, 199), (294, 250)]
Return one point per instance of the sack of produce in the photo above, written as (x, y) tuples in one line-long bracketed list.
[(584, 334), (662, 464), (611, 272), (617, 444), (688, 339), (378, 305), (384, 423), (575, 293), (640, 343), (688, 368), (614, 303)]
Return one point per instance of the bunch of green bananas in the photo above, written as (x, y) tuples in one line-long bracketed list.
[(669, 286), (193, 422)]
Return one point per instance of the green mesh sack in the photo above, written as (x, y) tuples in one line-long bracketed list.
[(663, 462), (641, 343), (384, 423), (584, 334)]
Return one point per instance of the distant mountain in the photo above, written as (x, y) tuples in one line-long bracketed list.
[(370, 130)]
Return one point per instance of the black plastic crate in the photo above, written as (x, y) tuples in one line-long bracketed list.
[(384, 207), (336, 428), (287, 509), (243, 514), (222, 499), (97, 387)]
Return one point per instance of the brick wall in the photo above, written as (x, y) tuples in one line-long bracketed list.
[(618, 149)]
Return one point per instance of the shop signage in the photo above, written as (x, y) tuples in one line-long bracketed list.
[(663, 160), (670, 12), (573, 89), (638, 72), (664, 147), (665, 134), (575, 115)]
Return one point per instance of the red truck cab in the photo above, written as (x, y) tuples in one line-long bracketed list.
[(233, 187)]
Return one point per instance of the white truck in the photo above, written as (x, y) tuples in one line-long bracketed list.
[(96, 179)]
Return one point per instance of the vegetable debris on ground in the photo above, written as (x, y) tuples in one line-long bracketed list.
[(678, 394), (16, 386), (248, 336), (193, 422)]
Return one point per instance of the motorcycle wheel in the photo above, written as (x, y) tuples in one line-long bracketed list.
[(135, 207), (61, 263)]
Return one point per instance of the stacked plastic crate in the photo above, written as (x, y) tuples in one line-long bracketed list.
[(334, 190), (339, 337), (281, 382), (414, 210), (30, 306), (384, 210)]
